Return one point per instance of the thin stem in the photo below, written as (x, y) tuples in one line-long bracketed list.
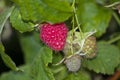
[(58, 70), (59, 62), (73, 23), (113, 40), (114, 4), (73, 26), (116, 17), (73, 4), (76, 18), (73, 19), (81, 33)]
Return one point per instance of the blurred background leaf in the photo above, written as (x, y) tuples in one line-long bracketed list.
[(39, 67), (107, 59), (17, 75), (7, 60), (112, 1), (81, 75), (4, 16), (93, 17), (31, 45), (37, 70)]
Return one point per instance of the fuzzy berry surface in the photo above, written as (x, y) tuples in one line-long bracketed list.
[(90, 47), (73, 63), (54, 35)]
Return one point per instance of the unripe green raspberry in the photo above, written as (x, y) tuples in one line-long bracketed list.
[(68, 48), (90, 48), (73, 63)]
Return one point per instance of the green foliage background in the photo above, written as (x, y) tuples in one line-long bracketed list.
[(25, 14)]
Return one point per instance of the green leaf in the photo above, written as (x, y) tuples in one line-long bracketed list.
[(35, 52), (60, 72), (24, 75), (118, 44), (4, 16), (81, 75), (93, 17), (58, 59), (44, 10), (118, 68), (113, 1), (61, 5), (102, 2), (2, 5), (18, 23), (39, 67), (106, 61), (7, 60), (30, 44)]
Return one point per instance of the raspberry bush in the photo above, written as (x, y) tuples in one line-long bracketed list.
[(59, 39)]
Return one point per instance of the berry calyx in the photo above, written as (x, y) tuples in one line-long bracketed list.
[(54, 35)]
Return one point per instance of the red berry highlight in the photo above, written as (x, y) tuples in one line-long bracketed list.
[(54, 35)]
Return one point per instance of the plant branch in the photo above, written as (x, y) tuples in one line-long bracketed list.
[(116, 17), (113, 40), (114, 4), (58, 70), (76, 18)]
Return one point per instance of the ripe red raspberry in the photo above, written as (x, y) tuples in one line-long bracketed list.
[(54, 35)]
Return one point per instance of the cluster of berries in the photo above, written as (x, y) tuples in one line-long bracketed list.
[(56, 37)]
